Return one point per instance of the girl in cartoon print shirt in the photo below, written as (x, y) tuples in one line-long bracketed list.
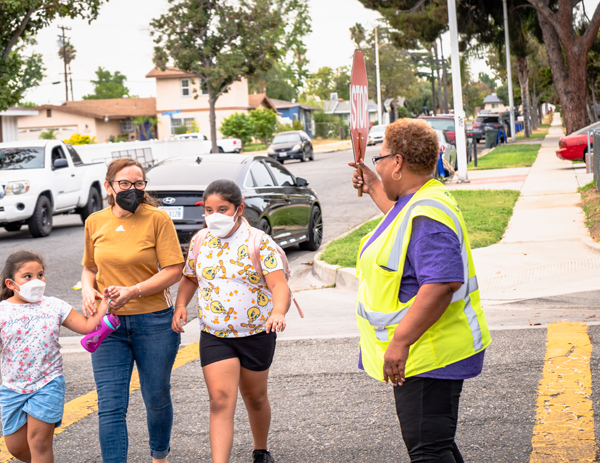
[(239, 315)]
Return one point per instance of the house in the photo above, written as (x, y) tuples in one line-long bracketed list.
[(9, 120), (101, 119), (182, 102), (261, 100), (292, 111), (341, 108), (494, 104)]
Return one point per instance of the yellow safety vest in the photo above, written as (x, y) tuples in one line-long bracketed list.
[(460, 332)]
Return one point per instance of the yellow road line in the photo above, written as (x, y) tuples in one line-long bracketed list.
[(84, 405), (564, 429)]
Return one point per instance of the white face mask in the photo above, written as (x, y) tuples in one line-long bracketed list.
[(32, 291), (220, 225)]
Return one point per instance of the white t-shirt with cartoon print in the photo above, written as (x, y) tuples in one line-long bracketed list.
[(31, 355), (233, 301)]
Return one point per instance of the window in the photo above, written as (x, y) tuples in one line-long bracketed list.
[(127, 126), (74, 155), (181, 125), (282, 176), (294, 117), (494, 105), (22, 158), (261, 175), (185, 87), (204, 89), (48, 113)]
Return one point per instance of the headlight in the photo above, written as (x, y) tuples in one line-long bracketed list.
[(271, 151), (297, 147), (17, 188)]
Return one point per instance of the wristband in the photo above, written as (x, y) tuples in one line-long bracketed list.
[(139, 290), (182, 305)]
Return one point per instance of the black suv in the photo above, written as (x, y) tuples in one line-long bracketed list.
[(291, 145), (493, 121)]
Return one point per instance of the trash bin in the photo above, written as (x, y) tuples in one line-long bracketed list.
[(490, 138)]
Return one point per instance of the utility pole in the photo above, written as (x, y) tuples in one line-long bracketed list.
[(380, 122), (513, 135), (459, 112), (63, 39)]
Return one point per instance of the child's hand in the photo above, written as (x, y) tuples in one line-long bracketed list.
[(275, 322), (111, 294)]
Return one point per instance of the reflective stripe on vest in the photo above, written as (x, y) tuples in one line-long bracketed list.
[(381, 320)]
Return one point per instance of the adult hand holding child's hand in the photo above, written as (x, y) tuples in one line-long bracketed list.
[(90, 296)]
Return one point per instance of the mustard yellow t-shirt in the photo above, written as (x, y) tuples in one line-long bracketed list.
[(130, 250)]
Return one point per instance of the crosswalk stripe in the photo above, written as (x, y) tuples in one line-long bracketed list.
[(84, 405), (564, 429)]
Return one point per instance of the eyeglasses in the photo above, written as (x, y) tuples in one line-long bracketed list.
[(376, 159), (126, 184)]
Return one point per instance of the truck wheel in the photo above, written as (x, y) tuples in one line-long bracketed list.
[(315, 231), (263, 224), (40, 223), (94, 204), (221, 150), (13, 226)]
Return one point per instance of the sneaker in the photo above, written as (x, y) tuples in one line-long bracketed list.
[(262, 456)]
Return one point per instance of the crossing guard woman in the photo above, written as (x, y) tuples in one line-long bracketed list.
[(418, 309)]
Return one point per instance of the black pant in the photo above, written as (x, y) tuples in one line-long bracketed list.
[(428, 411)]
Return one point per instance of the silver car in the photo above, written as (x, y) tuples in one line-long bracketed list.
[(376, 134)]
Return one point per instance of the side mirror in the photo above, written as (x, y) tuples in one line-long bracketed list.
[(60, 163), (301, 181)]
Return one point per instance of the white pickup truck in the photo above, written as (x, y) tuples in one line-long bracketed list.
[(226, 145), (42, 178)]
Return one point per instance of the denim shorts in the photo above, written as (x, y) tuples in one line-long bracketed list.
[(46, 404)]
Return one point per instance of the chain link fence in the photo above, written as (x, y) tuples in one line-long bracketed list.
[(331, 130)]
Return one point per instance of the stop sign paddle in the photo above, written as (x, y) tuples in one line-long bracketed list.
[(359, 109)]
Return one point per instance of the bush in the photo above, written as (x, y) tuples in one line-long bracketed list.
[(403, 112), (264, 122), (328, 125), (78, 139), (238, 125), (295, 125), (49, 134)]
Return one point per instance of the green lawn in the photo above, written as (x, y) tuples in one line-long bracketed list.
[(486, 213), (532, 136), (506, 156), (249, 147)]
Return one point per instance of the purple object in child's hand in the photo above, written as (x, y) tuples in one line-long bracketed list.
[(109, 323)]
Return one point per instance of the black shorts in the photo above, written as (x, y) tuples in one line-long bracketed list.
[(255, 352)]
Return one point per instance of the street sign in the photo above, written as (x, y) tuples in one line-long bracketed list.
[(170, 113), (359, 108)]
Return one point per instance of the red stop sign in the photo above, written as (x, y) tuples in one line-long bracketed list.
[(359, 105)]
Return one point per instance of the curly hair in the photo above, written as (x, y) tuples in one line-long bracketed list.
[(416, 141)]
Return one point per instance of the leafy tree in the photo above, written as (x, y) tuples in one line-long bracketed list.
[(49, 134), (264, 123), (321, 83), (67, 52), (108, 85), (219, 42), (21, 20), (420, 101), (238, 125), (491, 83), (78, 139), (295, 125), (28, 104)]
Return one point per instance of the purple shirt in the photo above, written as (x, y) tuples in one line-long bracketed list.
[(433, 256)]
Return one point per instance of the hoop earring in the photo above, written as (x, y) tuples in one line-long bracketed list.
[(399, 176)]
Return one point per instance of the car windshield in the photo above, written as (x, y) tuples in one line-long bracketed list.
[(595, 126), (378, 128), (286, 138), (441, 124), (488, 119), (21, 158)]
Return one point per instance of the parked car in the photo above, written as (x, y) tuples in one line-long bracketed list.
[(291, 145), (492, 120), (447, 149), (445, 123), (39, 179), (376, 135), (574, 147), (226, 145), (276, 202)]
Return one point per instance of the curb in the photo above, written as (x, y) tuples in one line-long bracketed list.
[(591, 244)]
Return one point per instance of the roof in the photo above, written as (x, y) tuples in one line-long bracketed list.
[(114, 108), (254, 101), (343, 107), (168, 73), (493, 98), (16, 111), (282, 104)]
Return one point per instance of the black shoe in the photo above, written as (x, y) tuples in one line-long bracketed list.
[(262, 456)]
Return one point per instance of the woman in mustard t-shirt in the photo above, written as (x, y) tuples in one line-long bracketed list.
[(133, 245)]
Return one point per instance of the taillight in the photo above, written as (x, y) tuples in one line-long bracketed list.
[(562, 143), (476, 125), (235, 142), (199, 203)]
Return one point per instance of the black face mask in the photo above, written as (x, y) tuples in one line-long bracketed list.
[(130, 200)]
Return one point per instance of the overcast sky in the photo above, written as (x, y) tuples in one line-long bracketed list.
[(119, 40)]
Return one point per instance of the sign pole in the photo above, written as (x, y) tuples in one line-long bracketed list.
[(360, 157), (359, 110)]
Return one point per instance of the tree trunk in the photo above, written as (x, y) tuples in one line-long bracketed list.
[(541, 113), (439, 81), (588, 109), (433, 103), (534, 114), (595, 105), (212, 118), (523, 73), (568, 84), (445, 77)]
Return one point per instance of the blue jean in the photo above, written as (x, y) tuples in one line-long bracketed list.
[(149, 341)]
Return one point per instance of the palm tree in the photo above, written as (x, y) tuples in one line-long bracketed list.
[(357, 34), (49, 134)]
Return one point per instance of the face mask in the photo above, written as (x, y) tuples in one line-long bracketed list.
[(32, 291), (220, 225), (129, 200)]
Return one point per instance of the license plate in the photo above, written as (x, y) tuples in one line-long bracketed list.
[(283, 155), (175, 212)]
